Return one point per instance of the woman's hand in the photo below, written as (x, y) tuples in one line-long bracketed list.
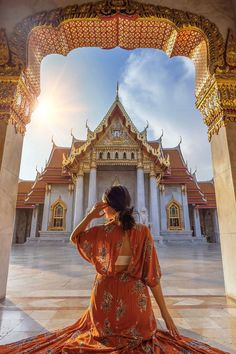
[(97, 210), (170, 325)]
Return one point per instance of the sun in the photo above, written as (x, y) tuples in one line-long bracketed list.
[(44, 110)]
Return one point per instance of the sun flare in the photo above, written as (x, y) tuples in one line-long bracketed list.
[(44, 110)]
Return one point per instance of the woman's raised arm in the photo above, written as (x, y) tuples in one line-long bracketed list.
[(94, 213), (80, 227)]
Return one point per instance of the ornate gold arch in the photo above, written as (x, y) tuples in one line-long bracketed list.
[(123, 8), (107, 24)]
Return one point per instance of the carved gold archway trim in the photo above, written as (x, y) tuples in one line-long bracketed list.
[(126, 9), (111, 23)]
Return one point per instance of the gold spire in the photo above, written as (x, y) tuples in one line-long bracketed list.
[(117, 91)]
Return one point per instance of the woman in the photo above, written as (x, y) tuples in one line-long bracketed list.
[(120, 317)]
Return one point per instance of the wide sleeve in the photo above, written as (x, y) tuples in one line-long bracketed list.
[(151, 268), (86, 243)]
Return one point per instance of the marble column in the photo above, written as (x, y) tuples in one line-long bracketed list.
[(10, 157), (140, 193), (216, 226), (163, 213), (46, 209), (197, 224), (154, 206), (223, 147), (69, 211), (34, 222), (92, 195), (79, 199), (185, 209)]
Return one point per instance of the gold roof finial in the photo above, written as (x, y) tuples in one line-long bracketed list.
[(117, 91), (52, 141), (37, 172)]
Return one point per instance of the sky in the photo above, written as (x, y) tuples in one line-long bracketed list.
[(82, 86)]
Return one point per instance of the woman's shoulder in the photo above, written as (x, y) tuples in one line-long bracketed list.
[(142, 229)]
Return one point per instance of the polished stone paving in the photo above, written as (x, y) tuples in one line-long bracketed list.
[(49, 287)]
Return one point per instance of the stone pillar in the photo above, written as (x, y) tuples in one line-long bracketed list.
[(69, 212), (216, 226), (34, 222), (16, 102), (79, 198), (163, 213), (46, 208), (197, 224), (140, 189), (185, 209), (217, 104), (154, 205), (223, 147), (92, 193), (10, 157)]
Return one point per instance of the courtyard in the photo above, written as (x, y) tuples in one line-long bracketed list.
[(49, 288)]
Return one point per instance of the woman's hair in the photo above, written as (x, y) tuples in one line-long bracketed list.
[(119, 199)]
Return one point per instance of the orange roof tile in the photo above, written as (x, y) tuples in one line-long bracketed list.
[(52, 174), (179, 174), (24, 188), (208, 189)]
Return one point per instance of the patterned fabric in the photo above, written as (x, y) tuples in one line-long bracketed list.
[(120, 318)]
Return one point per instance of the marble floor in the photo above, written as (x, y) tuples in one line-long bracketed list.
[(49, 288)]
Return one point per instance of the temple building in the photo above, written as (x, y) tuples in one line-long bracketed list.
[(166, 195)]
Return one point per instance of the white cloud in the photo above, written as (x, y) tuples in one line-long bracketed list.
[(161, 90)]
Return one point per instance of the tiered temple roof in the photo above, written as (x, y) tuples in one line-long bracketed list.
[(63, 160), (33, 192)]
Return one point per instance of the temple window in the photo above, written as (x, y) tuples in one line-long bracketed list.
[(116, 155), (124, 155), (108, 155), (100, 155), (174, 216), (58, 212), (132, 156)]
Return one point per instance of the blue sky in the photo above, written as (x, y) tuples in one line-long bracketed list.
[(82, 86)]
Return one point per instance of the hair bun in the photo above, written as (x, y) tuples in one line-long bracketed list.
[(127, 218), (127, 211)]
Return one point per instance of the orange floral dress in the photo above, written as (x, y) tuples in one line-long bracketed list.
[(120, 318)]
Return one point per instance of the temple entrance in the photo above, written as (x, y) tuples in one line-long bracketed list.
[(129, 26)]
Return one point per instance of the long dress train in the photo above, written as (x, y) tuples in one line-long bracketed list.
[(120, 318)]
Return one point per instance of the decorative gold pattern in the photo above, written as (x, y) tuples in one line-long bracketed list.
[(108, 24), (4, 50), (230, 52), (218, 105)]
